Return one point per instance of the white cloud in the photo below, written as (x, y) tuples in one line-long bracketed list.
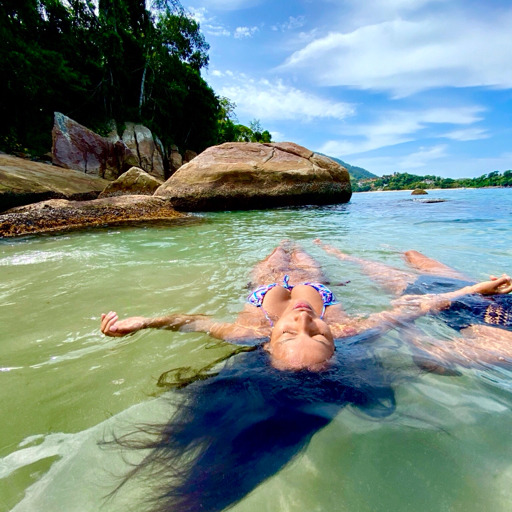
[(267, 100), (397, 127), (378, 10), (216, 30), (423, 157), (277, 136), (293, 23), (199, 14), (228, 5), (404, 56), (413, 162), (243, 32), (465, 135), (208, 24), (453, 115)]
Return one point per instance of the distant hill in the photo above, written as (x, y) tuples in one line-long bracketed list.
[(357, 173)]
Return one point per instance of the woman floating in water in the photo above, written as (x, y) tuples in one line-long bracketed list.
[(299, 316), (482, 314), (241, 425)]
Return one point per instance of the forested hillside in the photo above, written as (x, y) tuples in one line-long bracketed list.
[(406, 181), (355, 172), (109, 61)]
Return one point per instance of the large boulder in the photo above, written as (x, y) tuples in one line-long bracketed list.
[(135, 181), (245, 175), (60, 214), (76, 147), (141, 142), (23, 182)]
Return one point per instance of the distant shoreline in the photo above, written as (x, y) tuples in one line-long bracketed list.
[(427, 190)]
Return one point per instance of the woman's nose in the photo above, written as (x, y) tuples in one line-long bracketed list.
[(304, 318)]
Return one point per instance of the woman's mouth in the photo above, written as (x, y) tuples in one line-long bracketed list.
[(303, 306)]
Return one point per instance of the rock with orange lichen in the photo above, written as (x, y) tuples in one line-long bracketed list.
[(60, 214)]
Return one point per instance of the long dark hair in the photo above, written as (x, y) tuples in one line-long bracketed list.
[(231, 432)]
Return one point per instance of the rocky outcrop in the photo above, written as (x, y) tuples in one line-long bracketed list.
[(24, 182), (429, 200), (419, 192), (135, 181), (141, 142), (60, 214), (189, 156), (245, 175), (175, 159), (76, 147)]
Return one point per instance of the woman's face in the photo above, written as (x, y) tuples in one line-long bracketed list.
[(300, 339)]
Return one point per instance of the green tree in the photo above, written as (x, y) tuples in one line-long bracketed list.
[(43, 66)]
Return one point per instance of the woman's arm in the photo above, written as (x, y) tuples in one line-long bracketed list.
[(112, 326), (410, 307)]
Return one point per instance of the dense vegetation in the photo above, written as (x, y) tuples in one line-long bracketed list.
[(104, 61), (405, 181)]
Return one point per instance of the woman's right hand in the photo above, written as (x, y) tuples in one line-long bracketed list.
[(497, 285), (112, 326)]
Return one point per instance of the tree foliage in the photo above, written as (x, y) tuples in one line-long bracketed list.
[(121, 60)]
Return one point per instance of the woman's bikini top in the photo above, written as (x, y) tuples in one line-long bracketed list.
[(257, 296)]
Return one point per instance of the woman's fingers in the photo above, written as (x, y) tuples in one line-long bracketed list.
[(503, 284), (108, 322)]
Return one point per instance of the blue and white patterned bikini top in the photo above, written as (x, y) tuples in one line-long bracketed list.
[(257, 296)]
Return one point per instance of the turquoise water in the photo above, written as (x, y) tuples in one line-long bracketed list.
[(64, 386)]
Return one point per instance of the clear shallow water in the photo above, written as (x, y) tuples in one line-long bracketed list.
[(64, 386)]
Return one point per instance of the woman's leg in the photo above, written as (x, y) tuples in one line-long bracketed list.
[(479, 345), (391, 279), (305, 268), (288, 258), (274, 266), (427, 265)]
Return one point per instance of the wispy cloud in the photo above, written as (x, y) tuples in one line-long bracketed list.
[(209, 24), (294, 22), (268, 100), (465, 135), (404, 56), (228, 5), (244, 32), (396, 127), (423, 157)]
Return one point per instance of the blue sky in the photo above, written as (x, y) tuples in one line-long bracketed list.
[(419, 86)]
